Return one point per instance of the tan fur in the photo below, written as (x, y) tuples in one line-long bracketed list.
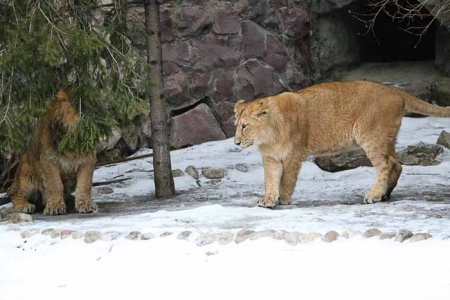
[(46, 174), (325, 119)]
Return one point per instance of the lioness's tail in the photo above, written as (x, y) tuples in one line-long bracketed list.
[(415, 105)]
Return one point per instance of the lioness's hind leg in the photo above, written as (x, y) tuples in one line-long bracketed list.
[(380, 161), (396, 171)]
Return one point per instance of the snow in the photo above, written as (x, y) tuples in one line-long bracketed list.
[(168, 268)]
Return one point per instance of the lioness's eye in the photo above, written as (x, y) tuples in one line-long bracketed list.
[(243, 126)]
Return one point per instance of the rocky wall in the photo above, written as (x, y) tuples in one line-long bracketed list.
[(217, 52)]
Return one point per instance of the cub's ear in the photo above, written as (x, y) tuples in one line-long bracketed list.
[(239, 107)]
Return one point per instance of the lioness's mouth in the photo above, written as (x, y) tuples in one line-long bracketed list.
[(246, 145)]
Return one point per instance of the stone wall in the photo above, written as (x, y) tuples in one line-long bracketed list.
[(217, 52)]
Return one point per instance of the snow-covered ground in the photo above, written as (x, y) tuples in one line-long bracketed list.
[(41, 267)]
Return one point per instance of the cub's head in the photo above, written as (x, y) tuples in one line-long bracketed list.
[(252, 123)]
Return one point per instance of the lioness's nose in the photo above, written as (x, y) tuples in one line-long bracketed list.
[(237, 142)]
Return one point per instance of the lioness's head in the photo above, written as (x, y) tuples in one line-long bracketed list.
[(251, 123)]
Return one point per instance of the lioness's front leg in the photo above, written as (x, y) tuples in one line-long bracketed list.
[(53, 189), (291, 168), (272, 177), (83, 201)]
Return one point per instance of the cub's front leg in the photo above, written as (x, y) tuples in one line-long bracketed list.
[(272, 177), (83, 201), (53, 189)]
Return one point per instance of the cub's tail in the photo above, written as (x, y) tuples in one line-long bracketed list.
[(415, 105)]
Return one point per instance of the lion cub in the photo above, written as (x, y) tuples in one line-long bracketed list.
[(325, 119), (46, 174)]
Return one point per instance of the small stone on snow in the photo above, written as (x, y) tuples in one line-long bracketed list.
[(91, 236), (330, 236), (372, 232), (134, 235), (420, 237)]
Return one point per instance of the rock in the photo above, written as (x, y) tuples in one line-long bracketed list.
[(214, 54), (193, 19), (194, 127), (419, 89), (330, 236), (225, 238), (184, 235), (91, 236), (176, 89), (134, 235), (343, 161), (241, 167), (227, 20), (205, 239), (200, 82), (372, 232), (254, 79), (214, 173), (5, 211), (29, 233), (349, 233), (18, 218), (261, 234), (111, 142), (56, 233), (110, 235), (309, 237), (47, 231), (420, 237), (280, 234), (192, 171), (328, 6), (441, 91), (243, 235), (444, 139), (292, 238), (166, 26), (177, 173), (165, 234), (147, 236), (296, 22), (421, 154), (66, 233), (179, 53), (77, 235), (105, 190), (131, 138), (388, 235), (403, 235)]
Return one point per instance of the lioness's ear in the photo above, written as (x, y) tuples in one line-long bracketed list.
[(239, 107), (262, 114)]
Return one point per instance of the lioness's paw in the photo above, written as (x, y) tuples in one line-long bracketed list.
[(267, 202), (285, 201), (87, 207), (26, 208), (373, 197), (55, 209)]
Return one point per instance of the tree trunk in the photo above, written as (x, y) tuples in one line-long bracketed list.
[(164, 185)]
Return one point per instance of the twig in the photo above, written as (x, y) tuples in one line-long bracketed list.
[(122, 160), (110, 181)]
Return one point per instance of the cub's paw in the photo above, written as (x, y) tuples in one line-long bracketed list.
[(55, 209), (268, 202), (25, 207), (87, 207), (373, 197)]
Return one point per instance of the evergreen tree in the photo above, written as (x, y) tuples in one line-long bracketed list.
[(47, 44)]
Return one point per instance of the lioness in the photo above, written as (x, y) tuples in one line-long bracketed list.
[(46, 174), (325, 119)]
